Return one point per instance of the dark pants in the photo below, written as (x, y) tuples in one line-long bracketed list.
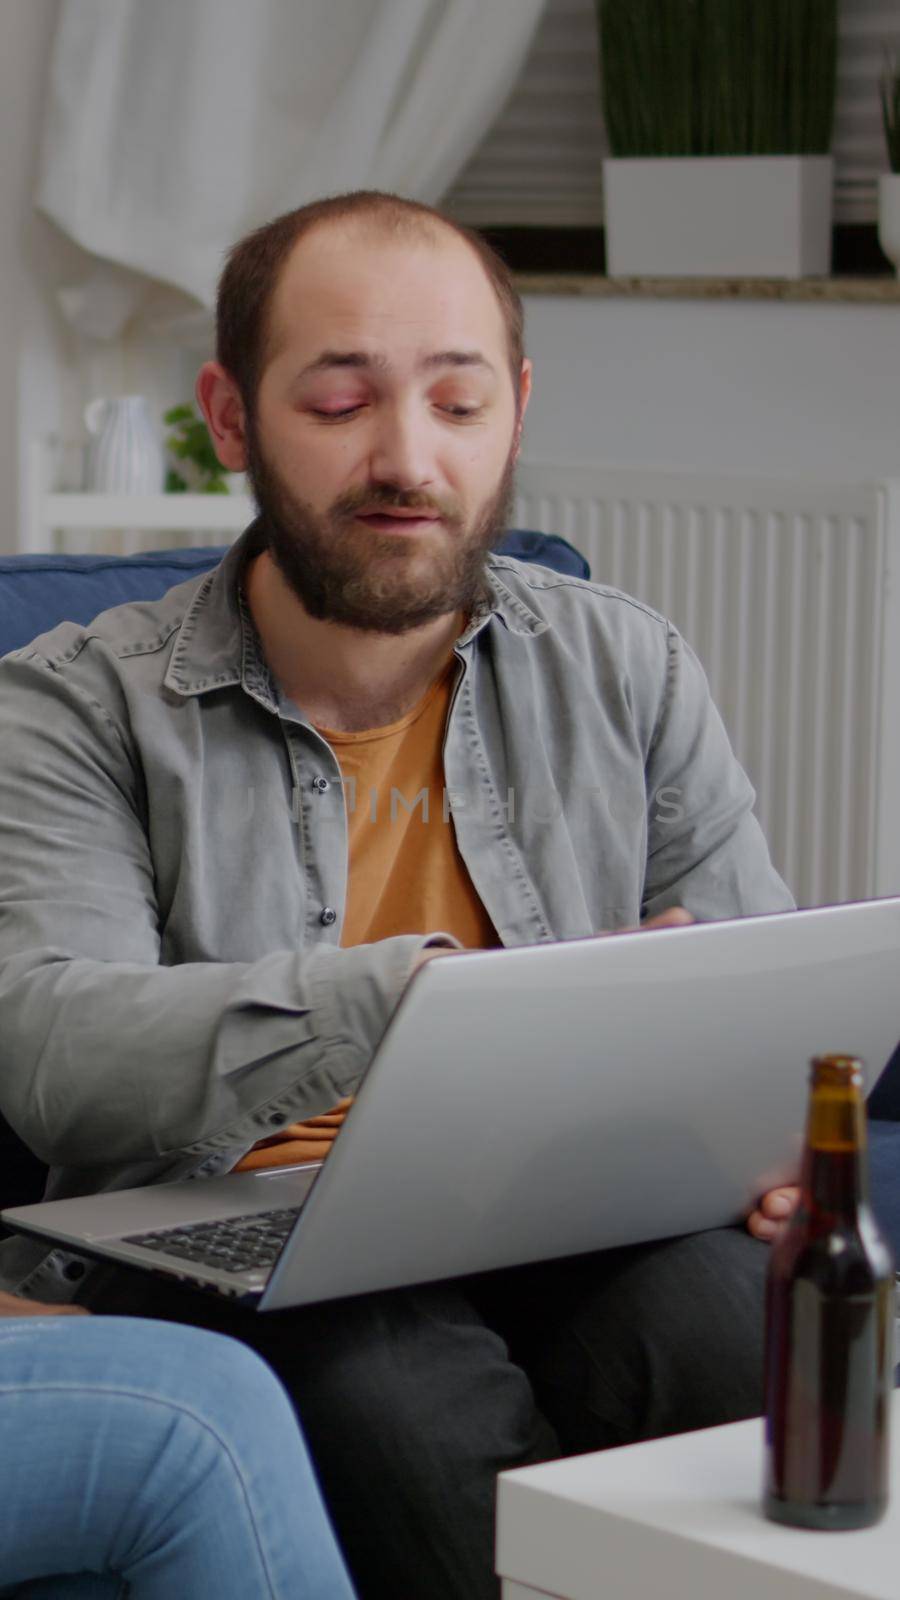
[(413, 1400)]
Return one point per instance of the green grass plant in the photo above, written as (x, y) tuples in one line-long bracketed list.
[(719, 77)]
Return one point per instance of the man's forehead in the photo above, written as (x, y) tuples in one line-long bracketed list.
[(346, 279)]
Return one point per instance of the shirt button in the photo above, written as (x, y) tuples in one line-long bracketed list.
[(278, 1119), (328, 916), (73, 1270), (321, 784)]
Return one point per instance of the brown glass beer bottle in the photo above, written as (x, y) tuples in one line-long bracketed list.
[(830, 1325)]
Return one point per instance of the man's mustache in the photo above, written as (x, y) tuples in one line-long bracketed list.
[(382, 495)]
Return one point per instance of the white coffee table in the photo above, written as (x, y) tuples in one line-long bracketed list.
[(680, 1519)]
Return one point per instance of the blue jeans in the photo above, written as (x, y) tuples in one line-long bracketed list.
[(139, 1458)]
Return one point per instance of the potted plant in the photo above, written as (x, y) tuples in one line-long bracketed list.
[(889, 182), (199, 468), (719, 116)]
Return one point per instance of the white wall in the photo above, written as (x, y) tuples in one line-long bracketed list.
[(783, 389)]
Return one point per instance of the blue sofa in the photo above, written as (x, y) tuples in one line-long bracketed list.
[(36, 592)]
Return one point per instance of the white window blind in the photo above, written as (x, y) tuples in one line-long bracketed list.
[(540, 163)]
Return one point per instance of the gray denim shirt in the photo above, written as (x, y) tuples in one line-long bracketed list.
[(173, 859)]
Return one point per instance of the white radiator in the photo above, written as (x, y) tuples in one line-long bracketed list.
[(786, 592)]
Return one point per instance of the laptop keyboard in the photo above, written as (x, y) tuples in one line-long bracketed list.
[(234, 1245)]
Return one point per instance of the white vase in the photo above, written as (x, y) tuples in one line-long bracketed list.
[(126, 454), (889, 216)]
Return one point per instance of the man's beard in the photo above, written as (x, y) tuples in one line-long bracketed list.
[(345, 572)]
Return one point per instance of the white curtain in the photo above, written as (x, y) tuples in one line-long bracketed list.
[(173, 126)]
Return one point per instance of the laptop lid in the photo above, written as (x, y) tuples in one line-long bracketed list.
[(554, 1099)]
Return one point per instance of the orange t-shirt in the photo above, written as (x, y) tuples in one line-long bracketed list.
[(405, 875)]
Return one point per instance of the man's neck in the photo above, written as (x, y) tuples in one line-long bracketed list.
[(340, 677)]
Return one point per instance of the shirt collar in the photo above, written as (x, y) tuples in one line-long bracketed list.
[(210, 643), (217, 646)]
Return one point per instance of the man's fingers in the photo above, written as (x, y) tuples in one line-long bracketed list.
[(772, 1213), (675, 917), (761, 1227), (779, 1203), (12, 1306), (330, 1119)]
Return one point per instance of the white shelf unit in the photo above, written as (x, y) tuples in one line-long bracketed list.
[(231, 513), (49, 512), (132, 514)]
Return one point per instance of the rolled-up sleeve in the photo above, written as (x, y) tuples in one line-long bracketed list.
[(706, 850), (105, 1054)]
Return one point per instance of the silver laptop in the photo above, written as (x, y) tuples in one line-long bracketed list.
[(532, 1103)]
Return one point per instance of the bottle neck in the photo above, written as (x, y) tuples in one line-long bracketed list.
[(835, 1164)]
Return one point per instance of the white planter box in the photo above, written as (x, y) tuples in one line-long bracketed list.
[(718, 216), (889, 216)]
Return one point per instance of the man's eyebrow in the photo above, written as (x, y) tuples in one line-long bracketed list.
[(362, 360), (457, 358)]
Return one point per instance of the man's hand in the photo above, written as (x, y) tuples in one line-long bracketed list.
[(299, 1141), (429, 955), (12, 1305), (675, 917), (775, 1209)]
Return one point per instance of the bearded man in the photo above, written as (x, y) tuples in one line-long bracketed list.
[(208, 910)]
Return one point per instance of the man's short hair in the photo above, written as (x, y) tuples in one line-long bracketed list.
[(254, 265)]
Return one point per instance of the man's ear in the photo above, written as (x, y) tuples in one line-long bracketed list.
[(524, 397), (220, 401)]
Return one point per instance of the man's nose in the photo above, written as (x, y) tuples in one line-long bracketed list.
[(401, 453)]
